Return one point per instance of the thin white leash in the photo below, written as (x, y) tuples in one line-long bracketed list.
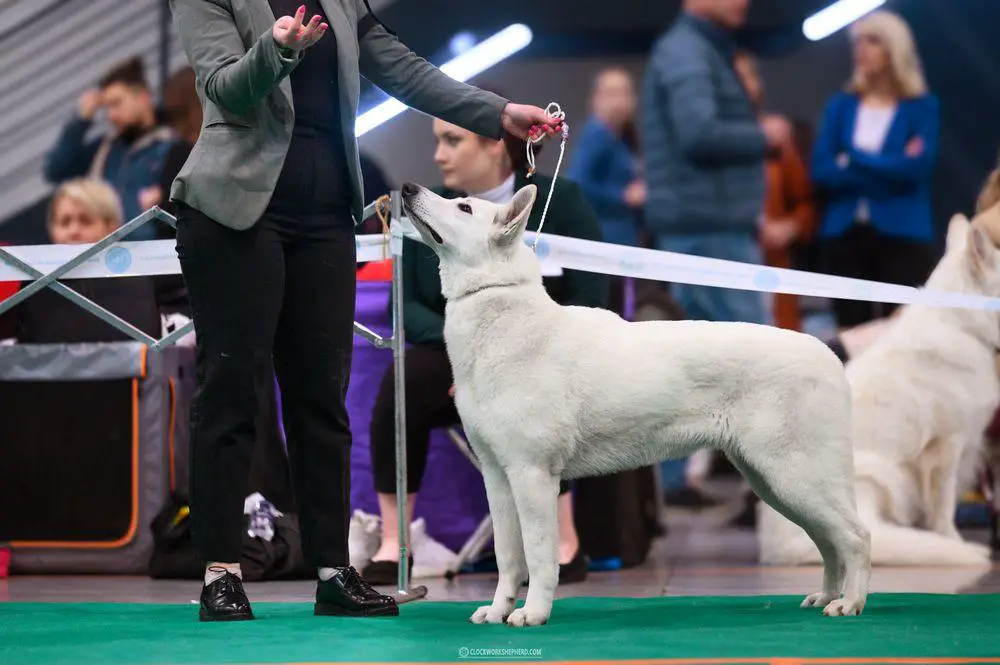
[(553, 111)]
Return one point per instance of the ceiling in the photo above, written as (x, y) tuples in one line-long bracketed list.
[(566, 27), (572, 28)]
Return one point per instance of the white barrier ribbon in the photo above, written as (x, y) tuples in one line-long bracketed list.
[(159, 257), (590, 256), (134, 259), (123, 259)]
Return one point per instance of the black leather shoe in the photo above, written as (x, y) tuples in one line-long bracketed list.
[(225, 600), (347, 594)]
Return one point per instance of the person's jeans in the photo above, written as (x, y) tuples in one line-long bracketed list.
[(279, 294), (708, 303)]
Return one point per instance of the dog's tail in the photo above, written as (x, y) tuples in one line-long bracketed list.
[(891, 545), (894, 545), (782, 543)]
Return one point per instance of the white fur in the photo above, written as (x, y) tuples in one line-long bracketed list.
[(548, 392), (923, 395)]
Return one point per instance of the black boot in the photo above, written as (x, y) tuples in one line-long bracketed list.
[(576, 570), (225, 600), (384, 572), (347, 594)]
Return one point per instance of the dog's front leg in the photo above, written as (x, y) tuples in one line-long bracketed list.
[(507, 541), (536, 494)]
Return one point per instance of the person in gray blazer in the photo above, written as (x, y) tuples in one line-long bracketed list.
[(267, 205)]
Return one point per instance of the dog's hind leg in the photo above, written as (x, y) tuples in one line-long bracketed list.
[(507, 540), (818, 495), (536, 494)]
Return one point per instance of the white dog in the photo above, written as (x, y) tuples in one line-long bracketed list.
[(924, 394), (548, 392)]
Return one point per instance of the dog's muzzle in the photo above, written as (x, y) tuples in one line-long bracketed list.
[(409, 193)]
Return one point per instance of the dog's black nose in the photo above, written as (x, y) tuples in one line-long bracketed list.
[(409, 189)]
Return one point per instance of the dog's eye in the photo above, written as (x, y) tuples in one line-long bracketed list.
[(465, 207)]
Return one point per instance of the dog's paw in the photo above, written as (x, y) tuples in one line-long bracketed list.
[(817, 599), (522, 617), (843, 608), (984, 551), (485, 614)]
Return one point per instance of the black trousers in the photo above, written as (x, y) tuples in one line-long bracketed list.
[(280, 295), (864, 253), (428, 407)]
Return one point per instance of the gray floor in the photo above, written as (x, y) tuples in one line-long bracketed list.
[(699, 556)]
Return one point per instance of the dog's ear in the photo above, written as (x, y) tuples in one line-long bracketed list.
[(509, 224), (958, 231), (982, 251)]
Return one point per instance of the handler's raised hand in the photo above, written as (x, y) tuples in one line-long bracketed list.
[(524, 122), (291, 34)]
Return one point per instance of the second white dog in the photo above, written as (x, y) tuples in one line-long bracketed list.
[(924, 394), (548, 392)]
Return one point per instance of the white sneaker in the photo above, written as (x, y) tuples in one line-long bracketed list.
[(364, 538), (430, 558)]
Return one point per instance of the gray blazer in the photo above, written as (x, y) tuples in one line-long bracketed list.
[(243, 85)]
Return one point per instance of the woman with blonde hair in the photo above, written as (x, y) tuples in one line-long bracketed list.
[(873, 162), (83, 211)]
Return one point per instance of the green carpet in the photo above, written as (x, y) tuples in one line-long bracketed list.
[(900, 625)]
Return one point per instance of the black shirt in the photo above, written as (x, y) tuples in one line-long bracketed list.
[(314, 180)]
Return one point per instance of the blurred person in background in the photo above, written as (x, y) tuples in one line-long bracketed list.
[(789, 214), (131, 156), (704, 149), (182, 111), (493, 170), (606, 165), (873, 159)]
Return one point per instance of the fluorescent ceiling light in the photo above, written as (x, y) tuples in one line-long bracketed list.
[(476, 60), (461, 43), (829, 20)]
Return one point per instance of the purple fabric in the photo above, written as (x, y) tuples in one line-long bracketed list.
[(452, 497), (629, 299)]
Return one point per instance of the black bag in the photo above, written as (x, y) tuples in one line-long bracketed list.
[(174, 557)]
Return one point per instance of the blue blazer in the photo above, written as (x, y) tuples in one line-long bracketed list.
[(897, 188), (603, 166)]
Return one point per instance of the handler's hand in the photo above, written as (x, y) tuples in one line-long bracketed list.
[(524, 121), (292, 35)]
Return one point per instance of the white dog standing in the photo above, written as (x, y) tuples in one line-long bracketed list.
[(924, 394), (546, 391)]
